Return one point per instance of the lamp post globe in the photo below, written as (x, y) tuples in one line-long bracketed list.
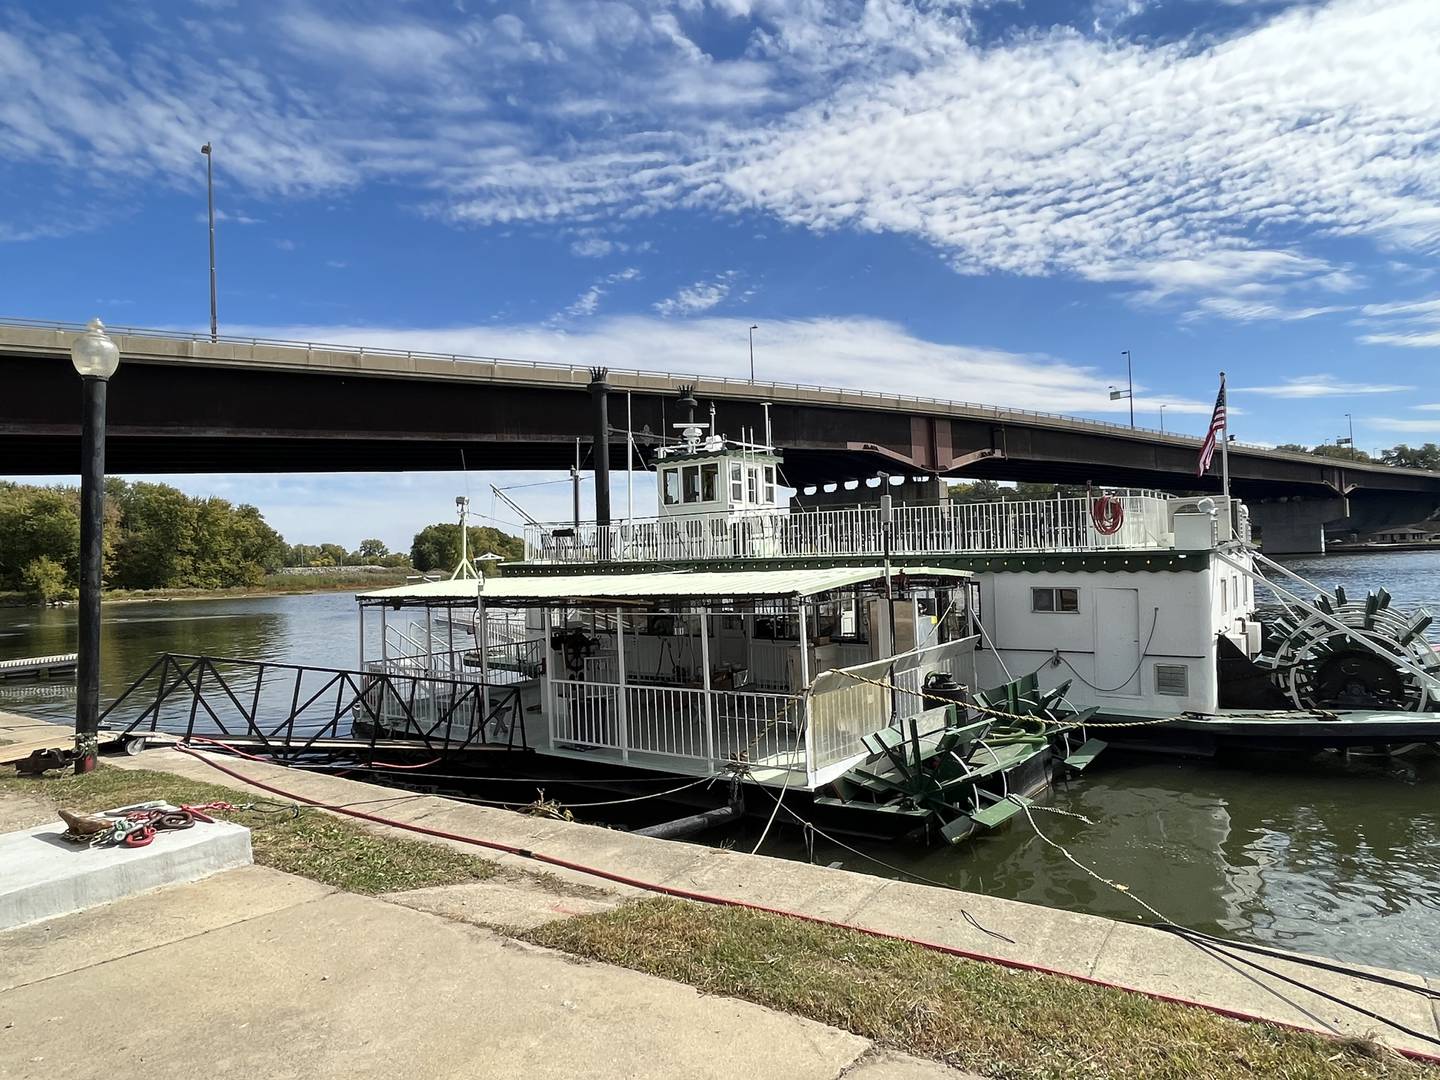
[(95, 358), (93, 353)]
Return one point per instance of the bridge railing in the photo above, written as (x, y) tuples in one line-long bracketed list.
[(1022, 526)]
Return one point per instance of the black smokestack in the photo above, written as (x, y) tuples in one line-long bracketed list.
[(600, 402)]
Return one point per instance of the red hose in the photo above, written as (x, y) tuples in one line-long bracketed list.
[(1108, 514), (723, 901)]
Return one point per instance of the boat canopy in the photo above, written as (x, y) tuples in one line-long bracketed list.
[(536, 590)]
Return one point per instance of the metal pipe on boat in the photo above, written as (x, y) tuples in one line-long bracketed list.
[(600, 402), (680, 828)]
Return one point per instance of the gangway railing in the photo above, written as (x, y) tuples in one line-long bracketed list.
[(287, 711)]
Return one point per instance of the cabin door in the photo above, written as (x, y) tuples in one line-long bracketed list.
[(1117, 641)]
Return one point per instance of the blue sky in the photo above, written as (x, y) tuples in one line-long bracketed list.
[(979, 199)]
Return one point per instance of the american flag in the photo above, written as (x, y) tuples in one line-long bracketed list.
[(1217, 431)]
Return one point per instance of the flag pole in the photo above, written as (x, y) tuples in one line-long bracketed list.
[(1225, 442)]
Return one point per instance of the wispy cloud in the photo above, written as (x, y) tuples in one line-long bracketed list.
[(1255, 310), (1171, 168), (1412, 324), (588, 302), (1314, 386), (698, 297)]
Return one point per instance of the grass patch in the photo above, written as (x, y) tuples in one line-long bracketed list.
[(1005, 1024), (313, 844)]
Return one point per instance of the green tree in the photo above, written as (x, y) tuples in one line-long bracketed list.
[(437, 547), (1343, 453), (37, 522), (44, 579), (371, 551), (1413, 457)]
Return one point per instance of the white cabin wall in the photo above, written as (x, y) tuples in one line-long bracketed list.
[(1184, 633)]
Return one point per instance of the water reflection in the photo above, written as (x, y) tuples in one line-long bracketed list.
[(295, 629)]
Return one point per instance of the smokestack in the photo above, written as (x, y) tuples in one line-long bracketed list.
[(600, 402)]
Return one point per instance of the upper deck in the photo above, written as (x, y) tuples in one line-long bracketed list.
[(1145, 522)]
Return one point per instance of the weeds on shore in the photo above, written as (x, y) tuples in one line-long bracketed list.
[(301, 840), (1005, 1024)]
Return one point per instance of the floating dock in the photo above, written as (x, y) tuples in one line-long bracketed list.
[(38, 667)]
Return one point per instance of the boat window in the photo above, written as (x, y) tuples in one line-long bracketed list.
[(752, 486), (1224, 594), (692, 483), (769, 483), (709, 481), (672, 486), (737, 485), (1064, 600)]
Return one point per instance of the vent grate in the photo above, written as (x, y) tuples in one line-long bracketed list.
[(1172, 680)]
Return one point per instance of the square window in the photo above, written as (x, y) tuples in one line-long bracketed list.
[(1065, 600)]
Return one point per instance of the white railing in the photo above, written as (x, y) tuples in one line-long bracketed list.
[(1022, 525), (512, 662), (705, 728), (843, 710)]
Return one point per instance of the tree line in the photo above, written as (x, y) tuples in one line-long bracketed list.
[(157, 537), (1401, 456)]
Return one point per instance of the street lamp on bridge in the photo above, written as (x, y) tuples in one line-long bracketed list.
[(1116, 394), (95, 358), (752, 352)]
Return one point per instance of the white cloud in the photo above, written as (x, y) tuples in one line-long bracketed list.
[(1390, 423), (1313, 386), (588, 302), (1204, 166), (1255, 310), (1413, 324), (698, 297)]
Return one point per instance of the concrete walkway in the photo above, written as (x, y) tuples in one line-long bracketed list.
[(257, 973), (1125, 954)]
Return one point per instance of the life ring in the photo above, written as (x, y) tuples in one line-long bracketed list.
[(1108, 514)]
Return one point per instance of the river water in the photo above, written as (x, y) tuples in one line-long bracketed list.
[(1331, 856)]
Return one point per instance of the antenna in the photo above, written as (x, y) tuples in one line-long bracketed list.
[(465, 569)]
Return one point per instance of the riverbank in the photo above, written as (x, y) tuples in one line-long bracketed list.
[(887, 942), (272, 585), (837, 1001)]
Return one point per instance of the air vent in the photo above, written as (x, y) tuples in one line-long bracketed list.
[(1172, 680)]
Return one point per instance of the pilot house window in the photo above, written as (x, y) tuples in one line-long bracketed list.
[(709, 481), (1063, 600), (672, 486), (737, 484), (692, 483)]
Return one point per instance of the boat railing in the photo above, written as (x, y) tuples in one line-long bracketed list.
[(847, 704), (504, 663), (699, 730), (1134, 520)]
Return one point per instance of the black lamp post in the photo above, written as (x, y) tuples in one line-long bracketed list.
[(752, 352), (95, 358)]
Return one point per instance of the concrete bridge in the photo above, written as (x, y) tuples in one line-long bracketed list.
[(182, 403)]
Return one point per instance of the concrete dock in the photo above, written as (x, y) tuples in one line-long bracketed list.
[(1125, 954)]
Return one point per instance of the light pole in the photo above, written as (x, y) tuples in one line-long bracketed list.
[(752, 352), (1116, 395), (1162, 419), (210, 200), (95, 358)]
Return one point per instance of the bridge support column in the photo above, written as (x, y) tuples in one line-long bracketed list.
[(1296, 527)]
